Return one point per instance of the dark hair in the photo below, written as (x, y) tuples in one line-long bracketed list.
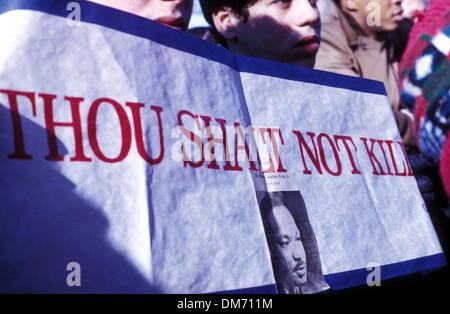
[(209, 7)]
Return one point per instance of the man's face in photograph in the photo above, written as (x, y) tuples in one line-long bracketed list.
[(287, 248)]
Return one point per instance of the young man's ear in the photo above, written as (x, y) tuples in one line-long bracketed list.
[(226, 20)]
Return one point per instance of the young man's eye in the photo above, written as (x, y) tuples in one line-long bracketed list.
[(298, 239)]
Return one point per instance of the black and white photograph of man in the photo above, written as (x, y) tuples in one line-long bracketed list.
[(292, 245)]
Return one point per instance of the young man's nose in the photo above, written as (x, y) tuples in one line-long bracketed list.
[(305, 13)]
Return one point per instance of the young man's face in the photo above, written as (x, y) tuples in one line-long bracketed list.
[(388, 13), (284, 31), (173, 13)]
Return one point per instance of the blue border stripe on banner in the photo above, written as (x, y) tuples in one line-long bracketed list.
[(358, 277), (286, 71), (141, 27), (267, 289)]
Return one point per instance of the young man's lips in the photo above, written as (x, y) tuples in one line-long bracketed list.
[(308, 41), (174, 22)]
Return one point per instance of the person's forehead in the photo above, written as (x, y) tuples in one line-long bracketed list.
[(281, 211), (282, 220)]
